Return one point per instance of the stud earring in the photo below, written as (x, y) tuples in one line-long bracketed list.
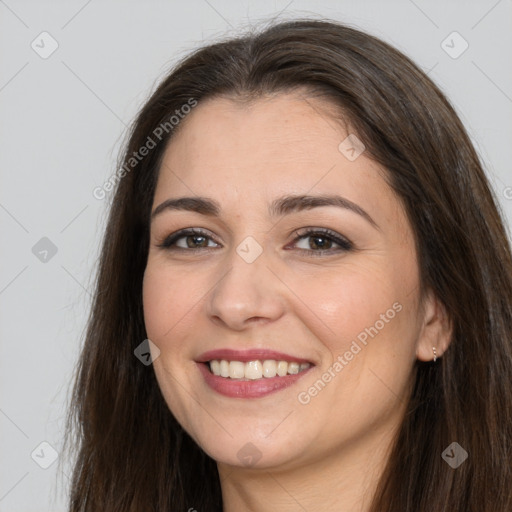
[(435, 354)]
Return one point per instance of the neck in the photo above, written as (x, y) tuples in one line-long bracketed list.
[(344, 480)]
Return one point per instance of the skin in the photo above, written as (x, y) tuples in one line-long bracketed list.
[(326, 454)]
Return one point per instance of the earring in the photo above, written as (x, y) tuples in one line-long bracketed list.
[(435, 354)]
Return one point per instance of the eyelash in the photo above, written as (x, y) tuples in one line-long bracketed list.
[(345, 245)]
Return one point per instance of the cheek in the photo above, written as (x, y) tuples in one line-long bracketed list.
[(346, 302), (164, 305), (154, 304), (368, 326), (171, 301), (366, 315), (162, 302)]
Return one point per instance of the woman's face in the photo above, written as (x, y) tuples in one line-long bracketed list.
[(255, 281)]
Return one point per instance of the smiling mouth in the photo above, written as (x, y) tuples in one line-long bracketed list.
[(254, 370)]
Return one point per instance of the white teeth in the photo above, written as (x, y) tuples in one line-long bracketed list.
[(215, 367), (293, 368), (269, 369), (236, 369), (224, 368), (253, 370), (282, 368)]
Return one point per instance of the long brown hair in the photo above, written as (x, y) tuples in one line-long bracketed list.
[(132, 455)]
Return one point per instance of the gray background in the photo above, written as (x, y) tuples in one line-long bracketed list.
[(62, 121)]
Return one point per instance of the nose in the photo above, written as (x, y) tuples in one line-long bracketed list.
[(246, 293)]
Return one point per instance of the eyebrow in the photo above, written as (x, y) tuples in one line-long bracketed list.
[(278, 208)]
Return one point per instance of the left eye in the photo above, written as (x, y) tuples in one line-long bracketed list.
[(321, 241)]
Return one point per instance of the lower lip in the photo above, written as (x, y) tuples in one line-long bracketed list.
[(248, 388)]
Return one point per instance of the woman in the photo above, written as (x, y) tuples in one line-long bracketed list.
[(304, 245)]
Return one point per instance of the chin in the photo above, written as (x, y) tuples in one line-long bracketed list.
[(257, 449)]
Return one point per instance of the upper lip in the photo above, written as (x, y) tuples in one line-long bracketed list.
[(248, 355)]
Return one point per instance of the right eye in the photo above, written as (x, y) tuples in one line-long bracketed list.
[(191, 237)]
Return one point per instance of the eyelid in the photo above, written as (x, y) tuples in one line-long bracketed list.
[(343, 242), (168, 240)]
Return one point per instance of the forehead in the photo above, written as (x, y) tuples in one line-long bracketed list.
[(243, 153), (277, 127)]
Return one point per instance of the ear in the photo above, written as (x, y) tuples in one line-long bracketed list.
[(436, 330)]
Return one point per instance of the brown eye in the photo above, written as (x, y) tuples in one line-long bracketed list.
[(321, 241), (194, 239), (191, 240)]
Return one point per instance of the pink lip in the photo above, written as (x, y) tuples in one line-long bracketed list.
[(235, 388), (248, 355)]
